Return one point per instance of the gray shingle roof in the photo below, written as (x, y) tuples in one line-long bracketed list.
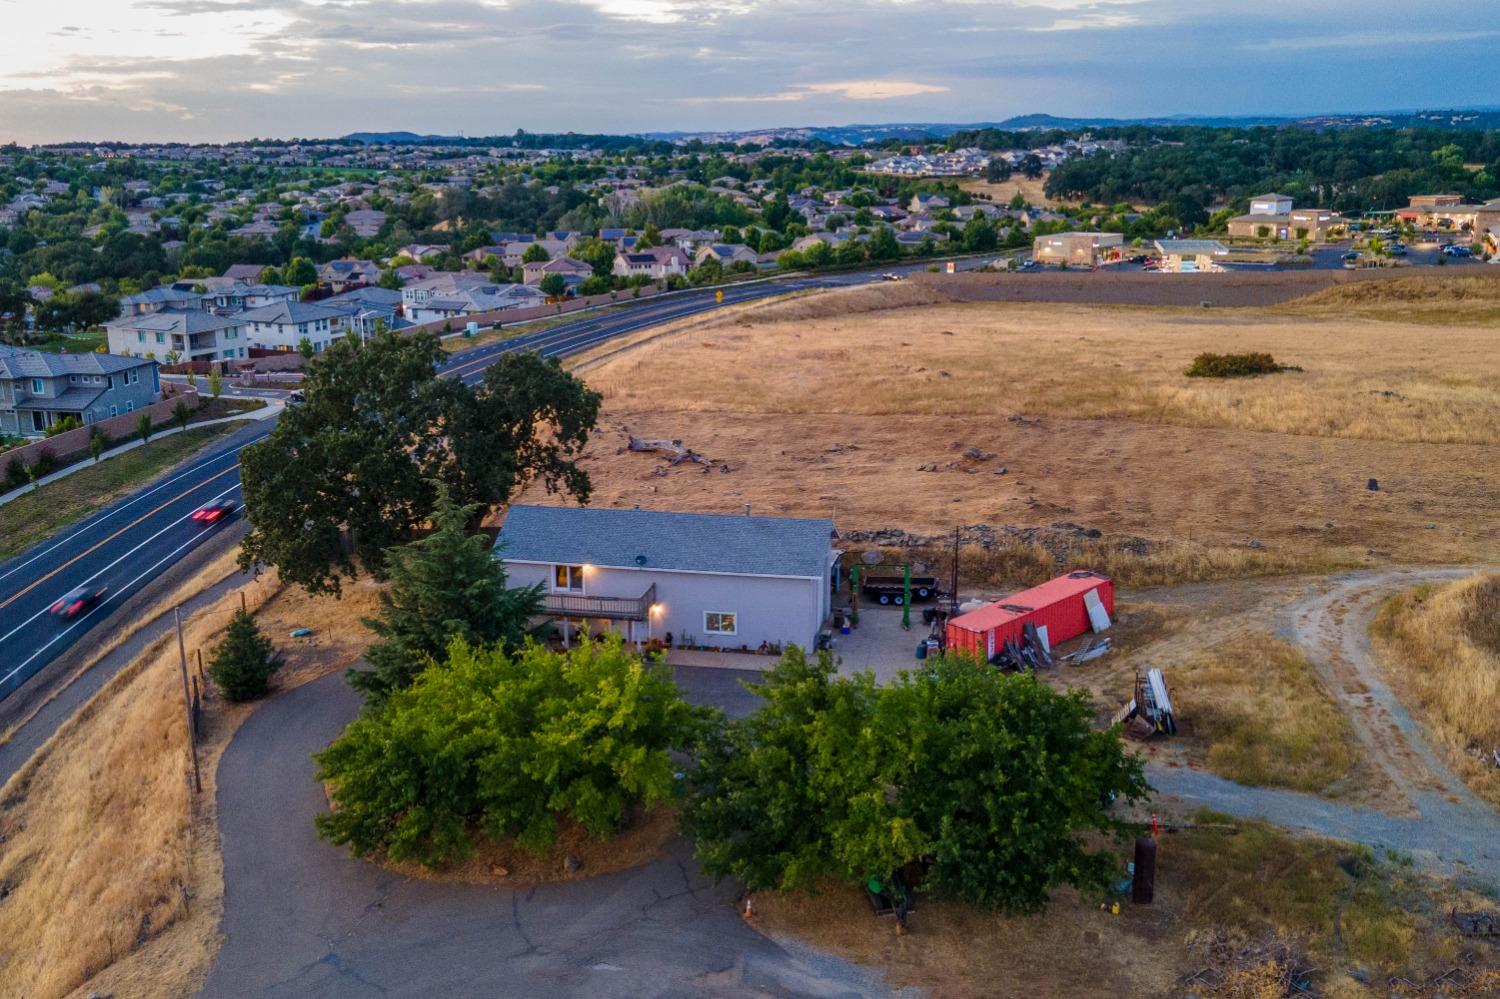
[(18, 363), (687, 542)]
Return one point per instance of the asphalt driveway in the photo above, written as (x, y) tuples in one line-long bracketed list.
[(302, 918)]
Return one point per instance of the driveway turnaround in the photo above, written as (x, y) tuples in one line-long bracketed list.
[(301, 918)]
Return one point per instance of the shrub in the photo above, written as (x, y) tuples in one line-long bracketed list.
[(1235, 366), (244, 661), (15, 473), (63, 426), (45, 463), (997, 781), (507, 744)]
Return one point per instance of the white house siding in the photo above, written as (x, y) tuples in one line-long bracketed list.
[(767, 608)]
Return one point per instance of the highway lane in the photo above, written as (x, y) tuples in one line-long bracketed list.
[(122, 548)]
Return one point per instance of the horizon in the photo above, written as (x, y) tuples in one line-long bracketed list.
[(204, 71)]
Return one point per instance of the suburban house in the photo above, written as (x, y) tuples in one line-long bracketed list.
[(1190, 256), (377, 308), (574, 272), (725, 581), (283, 325), (451, 294), (341, 275), (656, 263), (39, 389), (178, 334), (1272, 216), (245, 273), (927, 202), (365, 222), (239, 297), (1076, 249), (727, 254), (158, 298)]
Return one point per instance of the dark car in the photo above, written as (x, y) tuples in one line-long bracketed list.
[(75, 602), (212, 513)]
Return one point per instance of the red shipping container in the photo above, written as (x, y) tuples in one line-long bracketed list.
[(1057, 605)]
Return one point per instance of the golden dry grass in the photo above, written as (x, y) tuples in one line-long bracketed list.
[(859, 404), (1471, 299), (1033, 190), (860, 351), (1441, 650), (113, 862), (1250, 885), (1255, 709)]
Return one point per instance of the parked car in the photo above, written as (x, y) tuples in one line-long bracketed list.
[(295, 397), (1457, 250), (1398, 248), (890, 276)]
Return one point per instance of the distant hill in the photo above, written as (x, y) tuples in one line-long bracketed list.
[(1483, 118)]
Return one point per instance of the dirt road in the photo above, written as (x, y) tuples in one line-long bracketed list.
[(1444, 823)]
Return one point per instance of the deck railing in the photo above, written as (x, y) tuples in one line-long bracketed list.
[(613, 608)]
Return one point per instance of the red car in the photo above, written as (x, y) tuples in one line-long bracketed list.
[(75, 602), (213, 512)]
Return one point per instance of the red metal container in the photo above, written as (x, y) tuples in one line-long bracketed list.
[(1057, 605)]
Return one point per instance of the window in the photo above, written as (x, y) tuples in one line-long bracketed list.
[(114, 411), (140, 337), (160, 338), (36, 386), (720, 622), (568, 577)]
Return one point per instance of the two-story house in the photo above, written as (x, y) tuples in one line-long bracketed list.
[(39, 389), (176, 335), (284, 325)]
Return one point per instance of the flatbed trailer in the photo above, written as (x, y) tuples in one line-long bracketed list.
[(892, 589)]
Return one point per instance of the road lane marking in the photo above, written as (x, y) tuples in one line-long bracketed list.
[(96, 520), (104, 603), (126, 555), (100, 544)]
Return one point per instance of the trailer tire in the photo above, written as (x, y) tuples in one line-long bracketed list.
[(922, 592), (899, 600), (885, 598)]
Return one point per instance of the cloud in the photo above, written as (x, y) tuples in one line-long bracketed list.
[(1365, 40), (849, 90)]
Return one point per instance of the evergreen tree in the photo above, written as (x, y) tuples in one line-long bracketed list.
[(243, 662), (444, 586)]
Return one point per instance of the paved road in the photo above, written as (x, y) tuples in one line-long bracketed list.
[(123, 547), (302, 918)]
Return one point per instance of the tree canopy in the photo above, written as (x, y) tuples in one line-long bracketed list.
[(993, 780), (353, 471), (507, 744), (444, 586)]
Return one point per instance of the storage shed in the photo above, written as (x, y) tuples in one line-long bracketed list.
[(1060, 606)]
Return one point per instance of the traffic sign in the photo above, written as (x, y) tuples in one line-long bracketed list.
[(718, 296)]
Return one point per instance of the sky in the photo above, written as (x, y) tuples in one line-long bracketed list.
[(219, 70)]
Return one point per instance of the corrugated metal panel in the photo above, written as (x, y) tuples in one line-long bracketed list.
[(1057, 604)]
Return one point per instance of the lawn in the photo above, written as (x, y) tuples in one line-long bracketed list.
[(31, 518), (73, 343)]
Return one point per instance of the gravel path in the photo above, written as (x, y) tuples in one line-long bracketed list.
[(1450, 825)]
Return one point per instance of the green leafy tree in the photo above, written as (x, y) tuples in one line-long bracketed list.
[(980, 235), (96, 445), (536, 253), (244, 661), (299, 272), (305, 348), (553, 285), (181, 414), (883, 245), (507, 744), (352, 472), (215, 383), (143, 427), (997, 781), (443, 586), (649, 237)]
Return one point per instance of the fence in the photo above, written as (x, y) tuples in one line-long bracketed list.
[(72, 443)]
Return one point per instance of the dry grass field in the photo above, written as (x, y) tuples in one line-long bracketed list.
[(110, 860), (1231, 898), (1441, 651), (862, 403), (1034, 191)]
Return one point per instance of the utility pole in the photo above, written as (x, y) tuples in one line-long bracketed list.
[(187, 703)]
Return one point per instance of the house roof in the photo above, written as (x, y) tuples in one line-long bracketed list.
[(295, 312), (655, 539), (16, 362), (176, 321), (245, 271)]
